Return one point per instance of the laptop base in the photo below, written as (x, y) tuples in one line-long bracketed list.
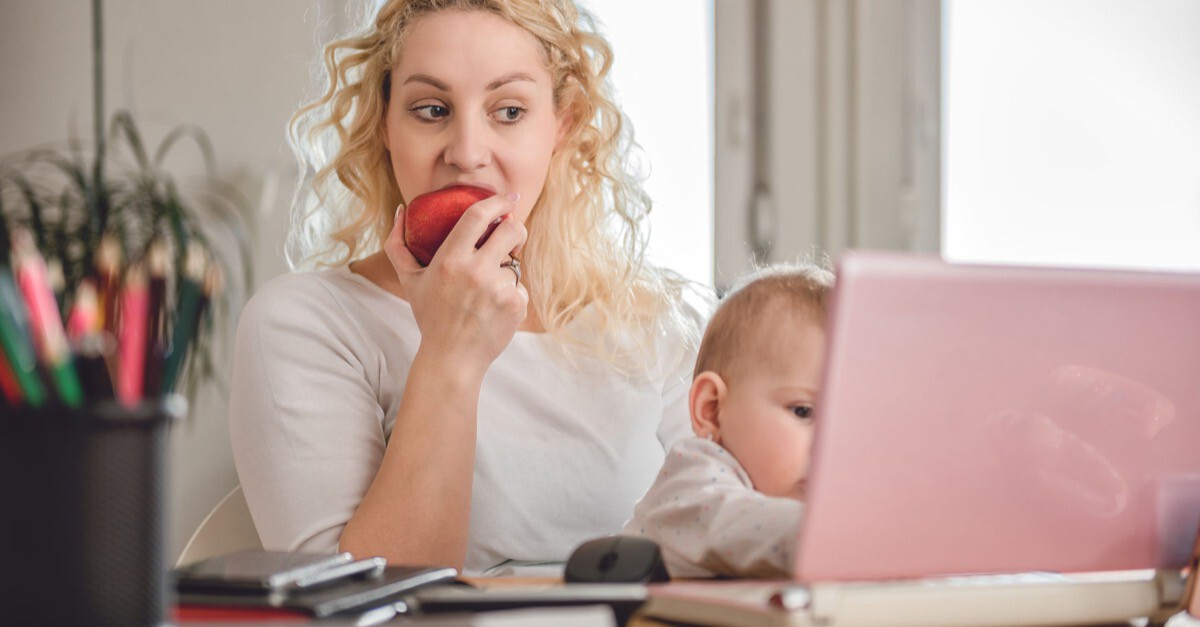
[(1034, 599)]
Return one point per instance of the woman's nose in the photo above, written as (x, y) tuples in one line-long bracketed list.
[(467, 144)]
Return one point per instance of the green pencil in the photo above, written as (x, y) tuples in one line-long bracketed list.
[(14, 336), (185, 316)]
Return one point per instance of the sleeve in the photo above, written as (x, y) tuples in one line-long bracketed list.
[(708, 521), (306, 427)]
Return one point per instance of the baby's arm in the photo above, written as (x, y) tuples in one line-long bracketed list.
[(706, 516)]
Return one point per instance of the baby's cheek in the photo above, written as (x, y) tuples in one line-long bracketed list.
[(804, 448), (775, 468)]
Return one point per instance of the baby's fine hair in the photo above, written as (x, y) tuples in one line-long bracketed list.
[(799, 287)]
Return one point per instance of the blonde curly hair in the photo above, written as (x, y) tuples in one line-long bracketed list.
[(587, 230)]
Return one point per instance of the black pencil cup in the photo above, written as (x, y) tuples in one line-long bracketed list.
[(84, 518)]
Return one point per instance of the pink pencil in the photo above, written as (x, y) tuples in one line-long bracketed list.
[(50, 338), (131, 364), (33, 278), (84, 318)]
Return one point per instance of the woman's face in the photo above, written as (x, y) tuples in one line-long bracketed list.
[(471, 103)]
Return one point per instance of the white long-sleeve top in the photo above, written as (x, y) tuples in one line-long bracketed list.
[(705, 514), (562, 454)]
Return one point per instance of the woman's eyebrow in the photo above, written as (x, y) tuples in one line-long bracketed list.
[(492, 86), (425, 78), (509, 78)]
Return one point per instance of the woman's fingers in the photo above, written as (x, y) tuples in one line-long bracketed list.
[(506, 240), (397, 252), (465, 302), (475, 222)]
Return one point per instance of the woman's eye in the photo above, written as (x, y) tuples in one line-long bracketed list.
[(803, 411), (430, 113), (508, 115)]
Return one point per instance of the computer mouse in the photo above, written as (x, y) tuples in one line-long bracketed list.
[(616, 559)]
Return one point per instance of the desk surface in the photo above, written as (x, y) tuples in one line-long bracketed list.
[(639, 620)]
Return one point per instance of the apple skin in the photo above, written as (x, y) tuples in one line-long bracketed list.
[(430, 217)]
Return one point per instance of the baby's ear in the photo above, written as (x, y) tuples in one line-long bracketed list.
[(704, 401)]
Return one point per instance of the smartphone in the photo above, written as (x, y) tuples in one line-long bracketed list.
[(259, 571), (370, 568)]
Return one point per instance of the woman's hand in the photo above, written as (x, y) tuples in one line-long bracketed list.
[(467, 305), (418, 507)]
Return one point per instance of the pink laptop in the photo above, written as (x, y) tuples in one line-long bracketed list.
[(998, 422), (1004, 419)]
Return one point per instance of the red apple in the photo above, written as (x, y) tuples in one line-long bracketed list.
[(430, 217)]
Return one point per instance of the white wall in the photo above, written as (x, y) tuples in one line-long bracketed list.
[(237, 69)]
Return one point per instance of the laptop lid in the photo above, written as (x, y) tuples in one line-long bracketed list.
[(1003, 419)]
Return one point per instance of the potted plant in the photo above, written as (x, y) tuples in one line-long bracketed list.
[(111, 201), (90, 221), (78, 206)]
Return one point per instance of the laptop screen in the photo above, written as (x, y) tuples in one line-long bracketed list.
[(1001, 419)]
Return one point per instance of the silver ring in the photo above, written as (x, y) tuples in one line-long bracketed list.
[(513, 264)]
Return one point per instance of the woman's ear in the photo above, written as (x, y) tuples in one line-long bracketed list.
[(704, 402)]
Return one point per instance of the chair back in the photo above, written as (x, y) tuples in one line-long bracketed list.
[(227, 528)]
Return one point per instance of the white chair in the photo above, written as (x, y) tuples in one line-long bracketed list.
[(227, 528)]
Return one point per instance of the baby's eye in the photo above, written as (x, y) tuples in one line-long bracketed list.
[(430, 112), (509, 115), (802, 411)]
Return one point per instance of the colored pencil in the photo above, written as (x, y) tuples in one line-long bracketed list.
[(16, 342), (187, 313), (131, 360), (8, 382), (108, 281), (57, 281), (94, 347), (50, 338), (85, 315), (158, 264), (93, 353)]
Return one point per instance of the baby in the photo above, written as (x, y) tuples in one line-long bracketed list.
[(729, 501)]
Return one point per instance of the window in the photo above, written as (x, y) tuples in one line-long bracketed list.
[(662, 73), (1072, 132)]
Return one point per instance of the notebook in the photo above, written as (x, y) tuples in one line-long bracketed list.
[(977, 419)]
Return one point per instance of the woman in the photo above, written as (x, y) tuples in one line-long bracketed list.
[(469, 413)]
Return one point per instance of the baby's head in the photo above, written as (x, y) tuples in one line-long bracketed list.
[(757, 374)]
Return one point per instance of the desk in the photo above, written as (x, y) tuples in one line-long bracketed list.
[(532, 583)]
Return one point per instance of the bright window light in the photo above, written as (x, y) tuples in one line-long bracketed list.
[(663, 78), (1072, 132)]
